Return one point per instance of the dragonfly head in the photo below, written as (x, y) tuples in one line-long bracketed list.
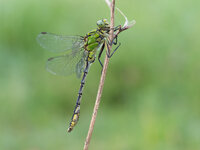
[(103, 23)]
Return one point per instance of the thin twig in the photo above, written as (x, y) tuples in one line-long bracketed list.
[(112, 36), (101, 84)]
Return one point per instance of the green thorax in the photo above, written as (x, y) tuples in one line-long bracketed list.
[(93, 40)]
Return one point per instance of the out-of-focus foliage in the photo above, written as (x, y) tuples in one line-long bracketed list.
[(151, 98)]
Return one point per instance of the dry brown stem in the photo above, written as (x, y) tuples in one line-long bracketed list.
[(103, 75)]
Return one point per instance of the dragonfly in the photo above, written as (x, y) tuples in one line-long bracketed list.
[(80, 54)]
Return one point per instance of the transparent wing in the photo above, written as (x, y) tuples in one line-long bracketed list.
[(80, 66), (67, 64), (59, 43)]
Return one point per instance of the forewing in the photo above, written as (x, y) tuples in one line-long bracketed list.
[(59, 43), (67, 64)]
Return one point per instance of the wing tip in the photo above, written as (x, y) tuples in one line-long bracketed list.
[(43, 33), (50, 58)]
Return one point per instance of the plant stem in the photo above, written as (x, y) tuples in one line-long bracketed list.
[(101, 84)]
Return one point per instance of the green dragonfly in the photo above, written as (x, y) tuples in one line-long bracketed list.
[(81, 54)]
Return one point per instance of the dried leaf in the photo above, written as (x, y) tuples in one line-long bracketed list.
[(127, 24)]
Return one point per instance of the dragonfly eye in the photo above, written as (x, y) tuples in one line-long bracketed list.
[(102, 23)]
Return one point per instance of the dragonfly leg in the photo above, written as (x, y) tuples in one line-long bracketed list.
[(117, 28), (115, 41), (100, 55), (110, 55)]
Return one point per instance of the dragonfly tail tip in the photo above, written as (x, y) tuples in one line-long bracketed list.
[(69, 130)]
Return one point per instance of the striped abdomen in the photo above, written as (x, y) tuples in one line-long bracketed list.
[(76, 113)]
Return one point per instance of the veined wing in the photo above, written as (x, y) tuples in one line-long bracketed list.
[(59, 43), (67, 64), (80, 65)]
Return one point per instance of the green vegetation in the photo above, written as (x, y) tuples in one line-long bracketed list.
[(151, 98)]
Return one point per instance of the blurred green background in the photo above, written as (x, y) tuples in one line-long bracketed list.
[(151, 97)]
